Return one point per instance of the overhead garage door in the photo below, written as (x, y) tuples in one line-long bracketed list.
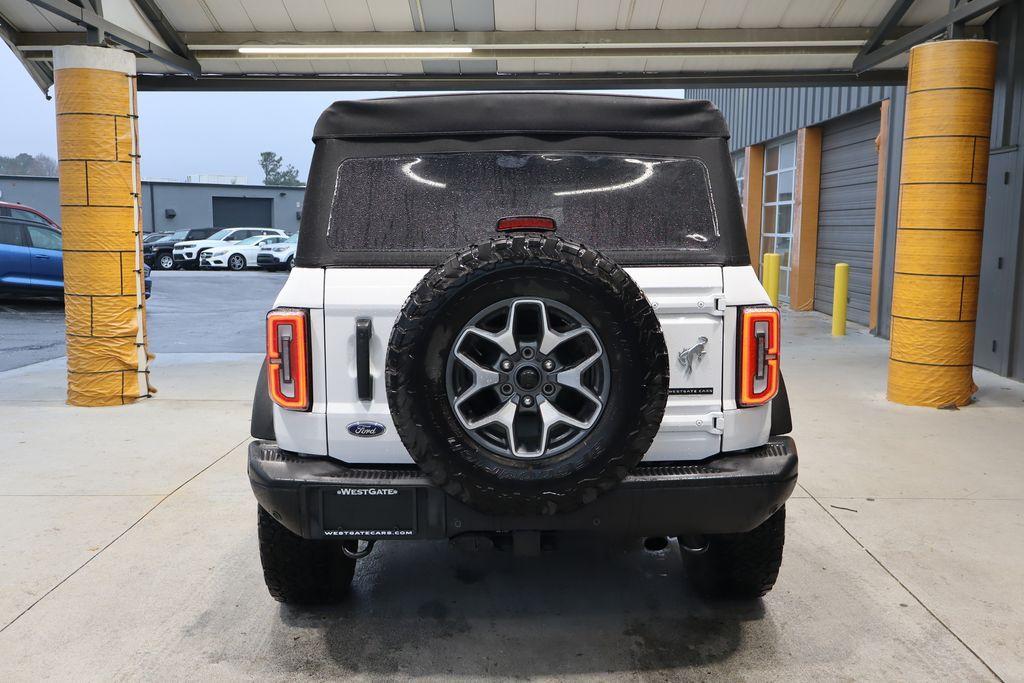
[(248, 212), (846, 218)]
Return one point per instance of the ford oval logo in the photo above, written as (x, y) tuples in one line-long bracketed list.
[(366, 429)]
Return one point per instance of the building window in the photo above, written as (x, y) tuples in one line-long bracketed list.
[(777, 216), (739, 163)]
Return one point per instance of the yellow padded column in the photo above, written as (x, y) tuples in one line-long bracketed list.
[(942, 212), (100, 189)]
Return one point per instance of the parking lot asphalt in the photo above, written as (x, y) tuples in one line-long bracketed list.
[(128, 549), (215, 312), (30, 331)]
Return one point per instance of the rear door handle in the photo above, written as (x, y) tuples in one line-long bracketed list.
[(42, 257), (364, 381)]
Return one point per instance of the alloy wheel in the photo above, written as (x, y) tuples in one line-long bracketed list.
[(528, 378)]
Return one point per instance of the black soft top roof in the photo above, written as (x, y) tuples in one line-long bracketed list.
[(521, 113)]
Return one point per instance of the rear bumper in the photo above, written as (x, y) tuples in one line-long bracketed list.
[(319, 497)]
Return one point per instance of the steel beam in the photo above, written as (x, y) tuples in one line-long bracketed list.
[(39, 73), (575, 81), (163, 26), (534, 39), (91, 21), (508, 40), (886, 27), (511, 40), (566, 53), (963, 12)]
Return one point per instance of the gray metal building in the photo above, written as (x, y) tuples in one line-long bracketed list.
[(861, 139), (173, 206)]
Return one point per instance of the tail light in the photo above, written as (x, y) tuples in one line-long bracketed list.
[(759, 355), (513, 223), (288, 358)]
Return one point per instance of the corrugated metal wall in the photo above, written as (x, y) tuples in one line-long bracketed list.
[(759, 114), (756, 115), (846, 209), (999, 333)]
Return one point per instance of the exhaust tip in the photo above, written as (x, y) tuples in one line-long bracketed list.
[(655, 543)]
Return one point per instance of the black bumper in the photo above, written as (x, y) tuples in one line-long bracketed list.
[(267, 261), (319, 497)]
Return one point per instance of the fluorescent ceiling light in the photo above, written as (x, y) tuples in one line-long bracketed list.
[(352, 50)]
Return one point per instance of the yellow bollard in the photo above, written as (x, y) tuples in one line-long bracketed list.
[(840, 292), (770, 276)]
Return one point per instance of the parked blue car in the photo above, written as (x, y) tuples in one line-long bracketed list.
[(31, 259)]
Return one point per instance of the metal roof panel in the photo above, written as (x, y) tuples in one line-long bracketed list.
[(515, 15)]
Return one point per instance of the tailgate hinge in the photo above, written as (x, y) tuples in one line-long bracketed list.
[(715, 423), (720, 304)]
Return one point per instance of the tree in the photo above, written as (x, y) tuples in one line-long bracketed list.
[(26, 164), (274, 173)]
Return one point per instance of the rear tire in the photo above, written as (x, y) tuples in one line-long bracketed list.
[(301, 571), (739, 566)]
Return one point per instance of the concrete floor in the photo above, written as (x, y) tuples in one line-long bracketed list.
[(127, 550)]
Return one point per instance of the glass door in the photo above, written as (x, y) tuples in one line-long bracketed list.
[(777, 216)]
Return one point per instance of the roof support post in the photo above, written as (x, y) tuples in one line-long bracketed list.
[(803, 252), (955, 30), (104, 292), (753, 201), (941, 216)]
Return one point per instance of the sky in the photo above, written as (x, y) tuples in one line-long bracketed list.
[(185, 134)]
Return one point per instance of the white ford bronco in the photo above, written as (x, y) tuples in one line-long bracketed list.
[(517, 316)]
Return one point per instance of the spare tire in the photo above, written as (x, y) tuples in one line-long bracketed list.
[(527, 375)]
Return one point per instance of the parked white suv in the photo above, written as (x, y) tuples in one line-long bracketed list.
[(188, 254), (278, 256), (514, 317), (237, 255)]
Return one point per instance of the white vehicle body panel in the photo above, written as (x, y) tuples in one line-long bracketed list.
[(249, 251), (701, 417), (190, 248), (280, 252)]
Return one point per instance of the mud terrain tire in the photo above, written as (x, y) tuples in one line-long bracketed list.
[(526, 265)]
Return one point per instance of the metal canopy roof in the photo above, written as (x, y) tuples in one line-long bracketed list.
[(489, 44)]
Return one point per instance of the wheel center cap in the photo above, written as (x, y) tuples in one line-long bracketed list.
[(528, 378)]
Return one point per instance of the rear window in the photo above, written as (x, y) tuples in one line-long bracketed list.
[(441, 202)]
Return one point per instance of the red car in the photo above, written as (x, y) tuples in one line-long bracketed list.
[(16, 211)]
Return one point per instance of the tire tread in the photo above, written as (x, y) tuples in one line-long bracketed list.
[(744, 565), (299, 570), (418, 314)]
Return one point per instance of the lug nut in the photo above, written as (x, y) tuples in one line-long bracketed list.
[(548, 389), (506, 365), (548, 365), (527, 353), (527, 401), (506, 389)]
